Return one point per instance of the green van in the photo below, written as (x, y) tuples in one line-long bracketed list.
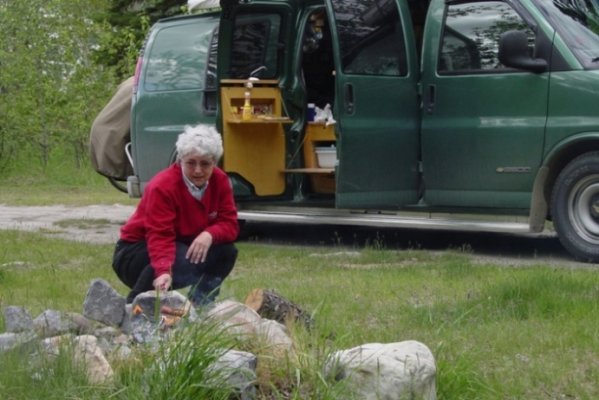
[(474, 115)]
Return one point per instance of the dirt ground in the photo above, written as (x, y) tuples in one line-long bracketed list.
[(100, 224), (93, 224)]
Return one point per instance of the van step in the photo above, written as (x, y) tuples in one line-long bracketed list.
[(461, 222)]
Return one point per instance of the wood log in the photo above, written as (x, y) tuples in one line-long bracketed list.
[(271, 305)]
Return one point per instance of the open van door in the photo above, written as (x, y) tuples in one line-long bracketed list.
[(376, 105), (252, 66)]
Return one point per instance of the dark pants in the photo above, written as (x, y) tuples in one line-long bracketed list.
[(131, 262)]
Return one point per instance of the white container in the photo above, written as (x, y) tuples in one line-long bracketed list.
[(326, 156)]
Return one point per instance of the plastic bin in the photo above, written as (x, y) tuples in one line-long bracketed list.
[(326, 156)]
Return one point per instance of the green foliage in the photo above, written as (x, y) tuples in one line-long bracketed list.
[(50, 89)]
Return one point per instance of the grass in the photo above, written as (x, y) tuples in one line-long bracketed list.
[(56, 186), (496, 332)]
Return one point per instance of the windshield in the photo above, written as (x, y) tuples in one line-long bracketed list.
[(577, 21)]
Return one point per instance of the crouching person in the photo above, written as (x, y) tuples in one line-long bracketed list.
[(182, 231)]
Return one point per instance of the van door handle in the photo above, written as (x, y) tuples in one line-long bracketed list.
[(431, 98), (349, 98)]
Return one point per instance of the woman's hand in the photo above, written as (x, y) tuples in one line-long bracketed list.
[(163, 282), (198, 250)]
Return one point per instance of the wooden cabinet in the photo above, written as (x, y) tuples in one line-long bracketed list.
[(255, 148), (317, 134)]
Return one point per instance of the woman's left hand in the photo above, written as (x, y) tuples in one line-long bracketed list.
[(198, 250)]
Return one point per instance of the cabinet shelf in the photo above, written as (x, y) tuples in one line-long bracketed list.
[(311, 170), (260, 120)]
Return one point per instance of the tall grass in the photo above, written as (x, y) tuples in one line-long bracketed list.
[(496, 332)]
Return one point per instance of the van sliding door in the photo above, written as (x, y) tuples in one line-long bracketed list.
[(376, 105)]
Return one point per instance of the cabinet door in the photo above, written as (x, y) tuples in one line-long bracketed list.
[(483, 123), (376, 104)]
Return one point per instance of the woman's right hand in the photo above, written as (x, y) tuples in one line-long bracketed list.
[(163, 282)]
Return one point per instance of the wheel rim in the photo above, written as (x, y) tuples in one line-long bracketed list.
[(584, 208)]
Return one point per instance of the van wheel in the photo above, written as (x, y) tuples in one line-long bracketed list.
[(575, 207)]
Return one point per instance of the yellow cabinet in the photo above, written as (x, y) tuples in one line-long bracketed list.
[(319, 134), (254, 148)]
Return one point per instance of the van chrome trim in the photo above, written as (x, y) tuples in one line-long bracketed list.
[(388, 220)]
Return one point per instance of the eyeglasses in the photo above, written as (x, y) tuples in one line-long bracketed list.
[(193, 164)]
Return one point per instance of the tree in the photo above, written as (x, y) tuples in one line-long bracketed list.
[(50, 89)]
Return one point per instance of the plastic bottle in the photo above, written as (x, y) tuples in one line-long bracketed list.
[(246, 112), (311, 111)]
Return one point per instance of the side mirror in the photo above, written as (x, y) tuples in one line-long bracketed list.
[(514, 52)]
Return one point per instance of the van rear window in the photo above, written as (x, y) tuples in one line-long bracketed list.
[(170, 63), (255, 46)]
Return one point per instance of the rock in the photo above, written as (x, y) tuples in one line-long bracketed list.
[(102, 303), (83, 324), (146, 303), (144, 331), (237, 317), (51, 346), (126, 324), (17, 319), (53, 323), (88, 354), (239, 368), (372, 371), (394, 371), (12, 340), (144, 327), (275, 334)]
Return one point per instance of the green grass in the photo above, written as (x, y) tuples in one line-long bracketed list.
[(58, 184), (496, 332)]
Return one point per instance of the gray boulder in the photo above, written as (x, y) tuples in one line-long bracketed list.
[(102, 303), (17, 319)]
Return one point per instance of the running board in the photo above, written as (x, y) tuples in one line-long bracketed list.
[(387, 220)]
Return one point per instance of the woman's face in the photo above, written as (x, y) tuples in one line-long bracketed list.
[(197, 168)]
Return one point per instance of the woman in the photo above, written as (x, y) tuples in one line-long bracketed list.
[(182, 231)]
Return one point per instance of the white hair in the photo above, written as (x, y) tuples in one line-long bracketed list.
[(201, 139)]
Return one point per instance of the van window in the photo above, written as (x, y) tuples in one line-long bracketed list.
[(170, 63), (471, 36), (255, 45), (578, 24), (370, 37), (210, 101)]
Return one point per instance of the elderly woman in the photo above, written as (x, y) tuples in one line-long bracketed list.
[(182, 231)]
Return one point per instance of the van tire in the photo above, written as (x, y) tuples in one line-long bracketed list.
[(575, 207)]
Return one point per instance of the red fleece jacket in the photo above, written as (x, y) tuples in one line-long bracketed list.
[(167, 213)]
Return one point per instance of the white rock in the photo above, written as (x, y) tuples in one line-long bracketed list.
[(237, 317), (88, 354), (393, 371)]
